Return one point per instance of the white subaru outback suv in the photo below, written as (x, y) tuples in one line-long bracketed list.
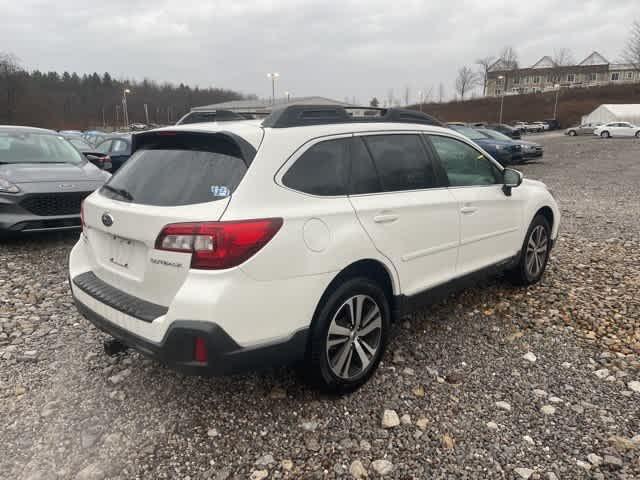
[(223, 247)]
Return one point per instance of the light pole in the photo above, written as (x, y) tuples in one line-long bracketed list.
[(273, 76), (421, 98), (124, 106), (501, 78), (555, 107), (288, 94)]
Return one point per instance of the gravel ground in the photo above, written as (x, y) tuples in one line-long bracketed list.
[(495, 382)]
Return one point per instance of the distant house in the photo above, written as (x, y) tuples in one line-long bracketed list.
[(544, 75), (265, 106)]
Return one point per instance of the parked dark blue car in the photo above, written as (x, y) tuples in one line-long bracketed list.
[(117, 148), (504, 151)]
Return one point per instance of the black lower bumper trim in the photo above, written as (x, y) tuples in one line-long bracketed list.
[(90, 284), (224, 355)]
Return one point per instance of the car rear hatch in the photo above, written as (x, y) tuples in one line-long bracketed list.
[(172, 177)]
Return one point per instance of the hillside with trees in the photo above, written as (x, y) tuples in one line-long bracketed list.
[(71, 101), (572, 105)]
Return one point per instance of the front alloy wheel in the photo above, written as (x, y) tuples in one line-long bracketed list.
[(534, 253), (537, 250)]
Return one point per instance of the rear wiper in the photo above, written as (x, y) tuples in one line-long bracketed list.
[(119, 191)]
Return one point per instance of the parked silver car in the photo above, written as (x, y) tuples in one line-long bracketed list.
[(584, 129), (43, 180)]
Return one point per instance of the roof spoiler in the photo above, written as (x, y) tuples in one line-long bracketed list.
[(224, 142)]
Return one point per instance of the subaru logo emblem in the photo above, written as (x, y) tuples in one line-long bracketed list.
[(107, 219)]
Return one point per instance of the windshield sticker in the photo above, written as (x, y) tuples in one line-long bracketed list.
[(220, 191)]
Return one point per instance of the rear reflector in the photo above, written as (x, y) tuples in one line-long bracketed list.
[(218, 245), (200, 350)]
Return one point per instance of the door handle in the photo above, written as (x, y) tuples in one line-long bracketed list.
[(385, 218), (468, 210)]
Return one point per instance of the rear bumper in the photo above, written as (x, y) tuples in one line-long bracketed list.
[(224, 355)]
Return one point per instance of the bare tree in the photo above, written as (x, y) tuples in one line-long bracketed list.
[(631, 52), (9, 69), (467, 79), (485, 63), (427, 93), (509, 58), (374, 102), (441, 93), (407, 93), (563, 57)]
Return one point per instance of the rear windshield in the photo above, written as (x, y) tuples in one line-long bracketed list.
[(174, 177)]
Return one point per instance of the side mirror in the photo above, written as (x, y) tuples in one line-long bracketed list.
[(512, 179)]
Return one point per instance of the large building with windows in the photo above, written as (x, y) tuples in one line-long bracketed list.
[(545, 75)]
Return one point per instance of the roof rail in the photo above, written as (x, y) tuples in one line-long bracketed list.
[(305, 115)]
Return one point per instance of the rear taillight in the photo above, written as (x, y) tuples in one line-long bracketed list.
[(218, 245)]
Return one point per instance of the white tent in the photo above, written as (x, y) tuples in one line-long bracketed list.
[(613, 113)]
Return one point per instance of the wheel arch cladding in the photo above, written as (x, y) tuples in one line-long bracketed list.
[(547, 213), (368, 268)]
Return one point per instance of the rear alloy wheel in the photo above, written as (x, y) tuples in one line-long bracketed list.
[(605, 134), (348, 336), (534, 254), (354, 337), (572, 133), (638, 134)]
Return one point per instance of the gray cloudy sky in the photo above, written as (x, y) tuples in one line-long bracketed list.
[(333, 48)]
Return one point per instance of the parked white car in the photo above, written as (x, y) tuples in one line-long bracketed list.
[(617, 129), (529, 127), (542, 126), (225, 246)]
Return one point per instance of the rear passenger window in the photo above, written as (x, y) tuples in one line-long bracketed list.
[(321, 170), (401, 161)]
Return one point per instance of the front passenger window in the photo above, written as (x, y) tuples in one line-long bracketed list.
[(464, 165)]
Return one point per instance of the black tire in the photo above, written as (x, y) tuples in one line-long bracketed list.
[(638, 134), (572, 133), (318, 368), (523, 273), (605, 134)]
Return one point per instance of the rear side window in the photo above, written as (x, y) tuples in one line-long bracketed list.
[(322, 170), (401, 162), (177, 176)]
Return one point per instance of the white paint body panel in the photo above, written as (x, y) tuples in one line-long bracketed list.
[(275, 293)]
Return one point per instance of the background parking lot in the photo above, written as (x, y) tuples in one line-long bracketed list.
[(494, 382)]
